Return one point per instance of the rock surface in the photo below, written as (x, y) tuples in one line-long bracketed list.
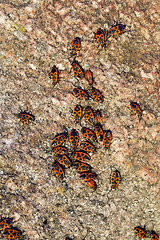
[(37, 35)]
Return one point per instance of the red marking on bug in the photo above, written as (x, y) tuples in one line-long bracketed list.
[(89, 114), (115, 30), (60, 150), (11, 233), (59, 139), (80, 93), (87, 146), (5, 223), (140, 232), (97, 96), (81, 166), (135, 107), (88, 134), (81, 156), (77, 70), (26, 117), (92, 184), (64, 160), (99, 132)]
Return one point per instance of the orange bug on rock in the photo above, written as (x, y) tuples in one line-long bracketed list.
[(100, 36), (89, 114), (140, 232), (77, 113), (135, 107), (96, 95), (81, 166), (154, 235), (54, 75), (98, 116), (74, 138), (77, 70), (88, 134), (26, 117), (60, 150), (63, 159), (87, 176), (92, 184), (89, 76), (80, 93), (12, 233), (107, 138), (5, 223), (116, 29), (99, 132), (58, 170), (75, 46), (115, 179), (81, 156), (59, 139), (87, 146)]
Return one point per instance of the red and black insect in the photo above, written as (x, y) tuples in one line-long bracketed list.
[(154, 235), (81, 156), (64, 160), (68, 238), (5, 223), (135, 107), (26, 117), (99, 132), (54, 75), (89, 76), (92, 184), (107, 138), (77, 70), (89, 114), (87, 146), (80, 93), (100, 36), (88, 134), (60, 150), (86, 176), (140, 232), (98, 116), (115, 179), (81, 166), (75, 46), (59, 139), (58, 170), (97, 96), (116, 29), (77, 113), (12, 233), (74, 138)]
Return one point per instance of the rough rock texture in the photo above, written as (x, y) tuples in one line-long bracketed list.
[(37, 35)]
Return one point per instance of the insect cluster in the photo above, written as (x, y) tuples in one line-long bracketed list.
[(76, 158), (9, 232), (78, 155)]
